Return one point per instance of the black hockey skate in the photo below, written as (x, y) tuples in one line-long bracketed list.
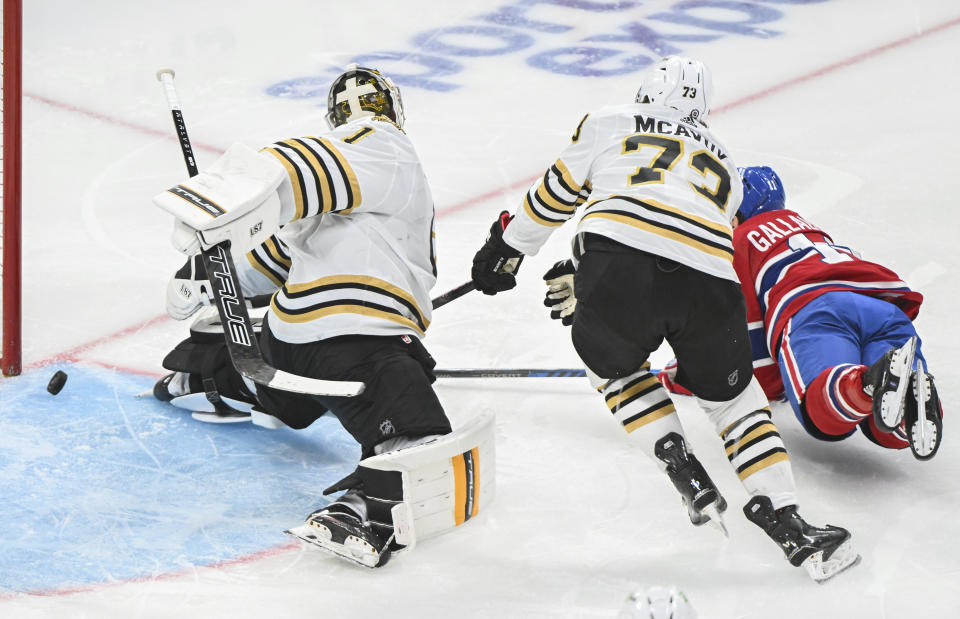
[(886, 381), (187, 390), (700, 495), (924, 416), (338, 530), (823, 552), (161, 390)]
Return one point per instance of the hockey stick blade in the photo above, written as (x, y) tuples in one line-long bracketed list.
[(841, 560), (241, 340)]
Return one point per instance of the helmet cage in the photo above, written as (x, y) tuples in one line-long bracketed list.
[(362, 92)]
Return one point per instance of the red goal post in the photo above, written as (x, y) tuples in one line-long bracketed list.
[(10, 362)]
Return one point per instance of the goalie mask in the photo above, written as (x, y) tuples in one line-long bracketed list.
[(762, 192), (361, 92), (681, 83)]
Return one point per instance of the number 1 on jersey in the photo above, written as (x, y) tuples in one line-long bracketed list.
[(828, 253)]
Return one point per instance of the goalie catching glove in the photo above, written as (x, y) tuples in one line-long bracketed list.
[(235, 200), (496, 263), (560, 298)]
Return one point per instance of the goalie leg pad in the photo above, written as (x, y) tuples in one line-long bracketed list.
[(429, 489)]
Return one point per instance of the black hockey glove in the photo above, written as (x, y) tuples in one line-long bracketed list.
[(496, 262), (560, 298)]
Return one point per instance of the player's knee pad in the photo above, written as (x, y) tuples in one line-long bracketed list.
[(429, 489), (725, 414)]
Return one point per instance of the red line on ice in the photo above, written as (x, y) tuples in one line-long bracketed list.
[(73, 353)]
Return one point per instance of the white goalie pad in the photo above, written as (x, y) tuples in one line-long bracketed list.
[(446, 482), (234, 200)]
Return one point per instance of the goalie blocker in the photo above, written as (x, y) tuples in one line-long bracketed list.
[(234, 200), (410, 495)]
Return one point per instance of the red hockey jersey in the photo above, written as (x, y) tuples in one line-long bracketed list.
[(784, 262)]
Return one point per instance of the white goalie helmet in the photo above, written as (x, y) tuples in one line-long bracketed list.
[(678, 82), (657, 603), (363, 92)]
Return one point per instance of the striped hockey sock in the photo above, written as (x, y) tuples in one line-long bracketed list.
[(758, 456), (638, 400)]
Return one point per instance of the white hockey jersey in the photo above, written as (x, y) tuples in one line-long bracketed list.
[(655, 181), (357, 255)]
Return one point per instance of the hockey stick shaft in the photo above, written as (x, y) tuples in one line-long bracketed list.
[(231, 305), (511, 373), (456, 293)]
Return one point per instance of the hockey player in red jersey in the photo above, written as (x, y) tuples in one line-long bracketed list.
[(844, 350)]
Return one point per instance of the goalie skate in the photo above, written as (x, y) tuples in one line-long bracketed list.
[(823, 552), (700, 495), (887, 381), (341, 533), (924, 417)]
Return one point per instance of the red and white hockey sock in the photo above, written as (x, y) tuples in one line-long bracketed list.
[(835, 400)]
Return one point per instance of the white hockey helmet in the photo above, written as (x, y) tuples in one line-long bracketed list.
[(678, 82), (657, 603), (361, 91)]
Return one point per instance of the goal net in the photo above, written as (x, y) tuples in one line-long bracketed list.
[(10, 361)]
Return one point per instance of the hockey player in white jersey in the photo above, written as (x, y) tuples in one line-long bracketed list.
[(653, 260), (350, 268)]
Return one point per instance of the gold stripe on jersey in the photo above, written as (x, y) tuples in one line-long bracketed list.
[(553, 202), (566, 178), (342, 308), (321, 176), (719, 249), (296, 180), (271, 260), (537, 218), (357, 282), (353, 185)]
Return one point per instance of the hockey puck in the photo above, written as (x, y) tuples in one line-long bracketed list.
[(57, 382)]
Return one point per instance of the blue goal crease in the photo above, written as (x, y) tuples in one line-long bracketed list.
[(99, 485)]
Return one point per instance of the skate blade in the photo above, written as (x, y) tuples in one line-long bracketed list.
[(842, 559), (924, 434), (716, 519), (892, 406), (354, 550), (221, 417)]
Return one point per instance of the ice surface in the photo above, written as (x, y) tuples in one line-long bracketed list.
[(853, 103)]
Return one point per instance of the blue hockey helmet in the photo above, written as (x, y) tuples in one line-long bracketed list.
[(762, 191)]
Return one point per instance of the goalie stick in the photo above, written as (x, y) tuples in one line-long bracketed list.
[(237, 326)]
